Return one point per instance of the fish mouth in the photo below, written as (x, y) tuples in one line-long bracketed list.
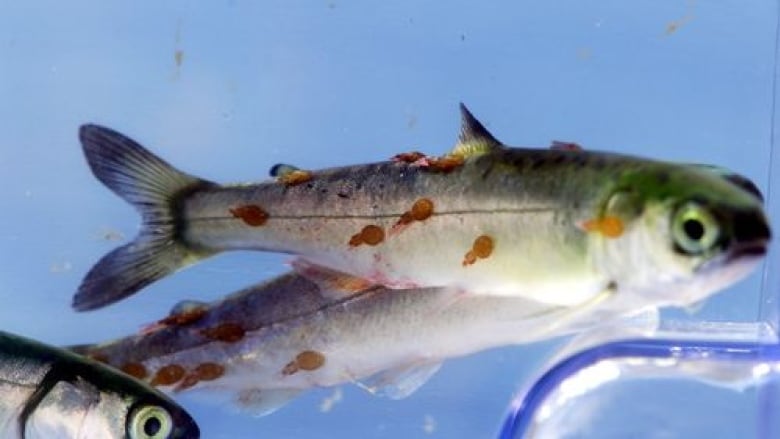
[(748, 250), (750, 235)]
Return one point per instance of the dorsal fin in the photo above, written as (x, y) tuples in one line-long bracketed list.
[(474, 138)]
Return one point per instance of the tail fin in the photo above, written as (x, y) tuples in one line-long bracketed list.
[(154, 187)]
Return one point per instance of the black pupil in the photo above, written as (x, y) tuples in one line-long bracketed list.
[(152, 426), (694, 229)]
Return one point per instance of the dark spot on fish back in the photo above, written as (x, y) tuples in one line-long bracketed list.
[(663, 177), (487, 171), (557, 159), (579, 160), (597, 162), (537, 163)]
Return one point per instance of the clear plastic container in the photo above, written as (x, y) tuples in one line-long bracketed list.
[(713, 377), (226, 89)]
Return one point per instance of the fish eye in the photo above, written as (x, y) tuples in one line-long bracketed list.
[(150, 422), (694, 229)]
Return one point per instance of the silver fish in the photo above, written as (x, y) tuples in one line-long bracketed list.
[(49, 393), (559, 226), (265, 344)]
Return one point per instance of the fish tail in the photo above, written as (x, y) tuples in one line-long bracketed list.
[(156, 189)]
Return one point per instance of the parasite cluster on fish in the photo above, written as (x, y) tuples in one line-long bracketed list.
[(559, 226)]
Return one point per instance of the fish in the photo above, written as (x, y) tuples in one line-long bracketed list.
[(262, 346), (559, 226), (49, 392)]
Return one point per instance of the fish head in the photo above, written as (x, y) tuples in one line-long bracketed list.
[(94, 401), (687, 233), (131, 410), (731, 176)]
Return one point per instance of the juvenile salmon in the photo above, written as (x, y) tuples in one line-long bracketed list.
[(51, 393), (262, 346), (557, 226)]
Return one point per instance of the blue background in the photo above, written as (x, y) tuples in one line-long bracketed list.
[(331, 83)]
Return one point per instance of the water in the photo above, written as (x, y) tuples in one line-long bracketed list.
[(226, 89)]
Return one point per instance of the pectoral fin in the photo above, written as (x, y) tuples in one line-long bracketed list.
[(333, 284), (262, 402), (639, 323), (400, 382)]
